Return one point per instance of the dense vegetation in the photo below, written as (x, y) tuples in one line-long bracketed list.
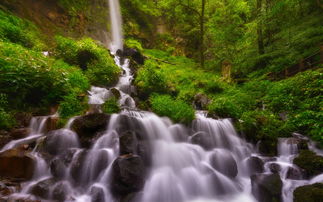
[(227, 57)]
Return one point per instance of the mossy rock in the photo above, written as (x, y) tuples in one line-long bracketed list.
[(310, 162), (309, 193)]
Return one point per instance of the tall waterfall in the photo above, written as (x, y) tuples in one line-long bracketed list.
[(116, 26)]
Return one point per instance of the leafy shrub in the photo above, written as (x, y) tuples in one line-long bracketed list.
[(72, 105), (95, 60), (33, 80), (111, 106), (6, 120), (16, 30), (150, 80), (133, 43), (177, 110)]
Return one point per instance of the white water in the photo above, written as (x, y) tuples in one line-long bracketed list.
[(178, 171), (116, 26)]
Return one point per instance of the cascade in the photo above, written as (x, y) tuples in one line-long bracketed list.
[(162, 161)]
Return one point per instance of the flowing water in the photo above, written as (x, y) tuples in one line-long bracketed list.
[(204, 162)]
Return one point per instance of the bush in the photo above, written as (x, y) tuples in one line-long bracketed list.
[(33, 80), (6, 120), (177, 110), (72, 105), (150, 80), (16, 30), (93, 59), (111, 106)]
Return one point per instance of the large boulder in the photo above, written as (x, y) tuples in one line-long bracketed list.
[(267, 187), (268, 147), (309, 193), (16, 163), (128, 143), (203, 139), (57, 168), (61, 191), (76, 166), (311, 163), (89, 125), (97, 194), (42, 188), (128, 174), (224, 162), (59, 141), (134, 54), (255, 165), (294, 173)]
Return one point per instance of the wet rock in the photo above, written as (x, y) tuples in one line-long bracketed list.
[(115, 92), (59, 141), (23, 119), (294, 173), (301, 143), (4, 138), (203, 139), (144, 151), (128, 143), (76, 166), (19, 133), (311, 163), (127, 175), (255, 165), (5, 190), (267, 187), (224, 163), (97, 194), (51, 123), (134, 54), (16, 163), (42, 188), (201, 101), (309, 193), (268, 147), (57, 168), (60, 191), (89, 125), (274, 168)]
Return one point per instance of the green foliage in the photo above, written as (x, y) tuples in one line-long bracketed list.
[(33, 80), (6, 120), (133, 43), (177, 110), (72, 105), (94, 59), (74, 6), (111, 106), (16, 30)]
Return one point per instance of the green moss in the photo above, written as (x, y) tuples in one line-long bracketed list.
[(92, 58), (309, 193), (310, 162), (133, 43), (177, 110), (111, 106)]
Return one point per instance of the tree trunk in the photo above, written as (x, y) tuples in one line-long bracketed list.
[(202, 34), (261, 48)]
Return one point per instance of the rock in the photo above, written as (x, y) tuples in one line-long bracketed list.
[(51, 123), (19, 133), (301, 143), (97, 194), (309, 193), (255, 165), (134, 54), (59, 141), (144, 151), (89, 125), (5, 138), (294, 173), (224, 163), (268, 147), (274, 168), (16, 163), (267, 187), (57, 168), (76, 166), (42, 188), (5, 190), (201, 101), (115, 92), (23, 119), (128, 143), (128, 174), (311, 163), (203, 139), (61, 191)]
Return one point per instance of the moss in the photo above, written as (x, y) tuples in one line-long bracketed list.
[(309, 193), (310, 162), (111, 106)]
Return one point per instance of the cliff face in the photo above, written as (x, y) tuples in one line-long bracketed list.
[(53, 18)]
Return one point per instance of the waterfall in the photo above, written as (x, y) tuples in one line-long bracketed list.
[(116, 26)]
